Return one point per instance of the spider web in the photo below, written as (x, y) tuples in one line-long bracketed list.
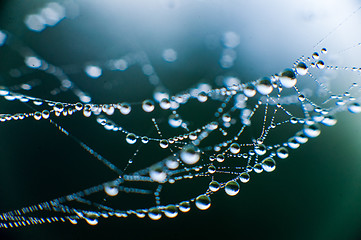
[(165, 154)]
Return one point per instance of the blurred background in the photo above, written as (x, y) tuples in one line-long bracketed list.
[(314, 194)]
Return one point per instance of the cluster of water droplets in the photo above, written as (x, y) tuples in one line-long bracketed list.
[(222, 150)]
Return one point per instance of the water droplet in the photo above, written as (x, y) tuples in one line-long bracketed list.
[(172, 163), (190, 154), (131, 138), (232, 188), (260, 149), (45, 114), (124, 108), (58, 107), (300, 137), (174, 120), (79, 106), (244, 177), (93, 71), (202, 97), (292, 143), (301, 97), (354, 108), (157, 173), (315, 55), (269, 165), (249, 90), (203, 202), (37, 115), (288, 78), (169, 55), (235, 148), (111, 189), (184, 206), (163, 143), (214, 186), (165, 103), (258, 168), (282, 152), (220, 158), (320, 64), (312, 130), (301, 68), (329, 121), (226, 117), (154, 213), (264, 86), (170, 211), (148, 105), (145, 139), (211, 169), (323, 50)]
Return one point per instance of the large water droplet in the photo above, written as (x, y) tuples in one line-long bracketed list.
[(312, 130), (131, 138), (154, 213), (354, 108), (190, 154), (235, 148), (269, 164), (288, 78), (232, 188), (170, 211), (264, 86), (203, 202), (301, 68), (148, 105)]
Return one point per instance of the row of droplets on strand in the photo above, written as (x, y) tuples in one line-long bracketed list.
[(189, 154)]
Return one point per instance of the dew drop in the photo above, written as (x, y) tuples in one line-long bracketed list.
[(320, 64), (260, 149), (174, 120), (37, 115), (93, 71), (211, 169), (165, 103), (301, 68), (58, 107), (45, 114), (170, 211), (312, 130), (203, 202), (258, 168), (354, 108), (184, 206), (231, 188), (315, 55), (249, 90), (163, 143), (131, 138), (329, 121), (154, 213), (244, 177), (288, 78), (111, 189), (157, 173), (235, 148), (190, 154), (148, 106), (214, 186), (124, 108), (220, 158), (282, 152), (269, 165), (264, 86)]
